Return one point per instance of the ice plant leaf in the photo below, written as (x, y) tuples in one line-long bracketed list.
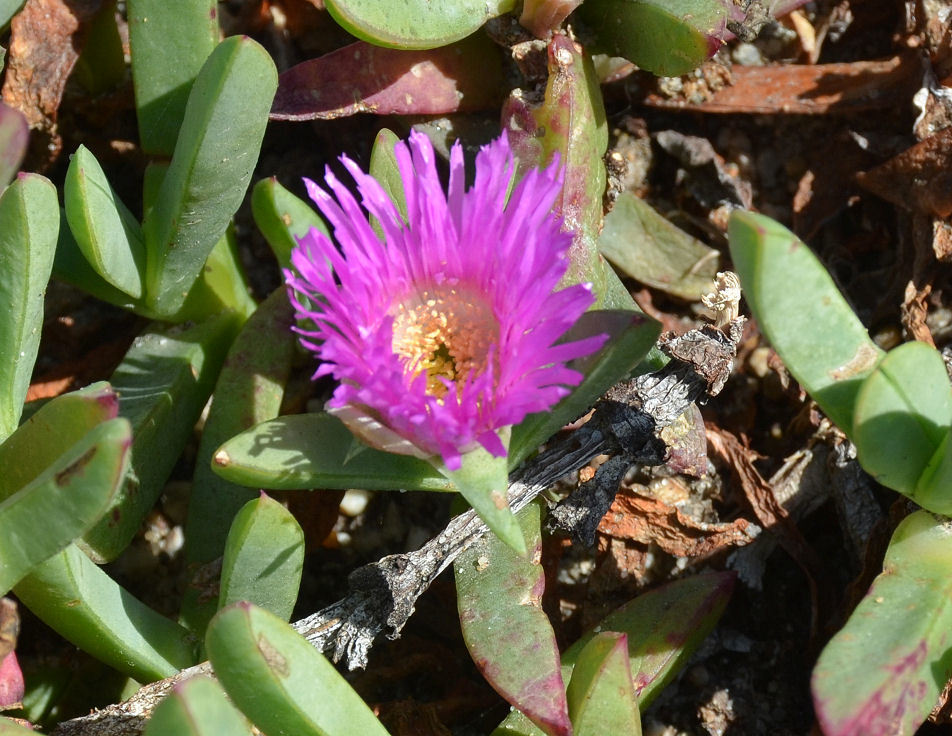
[(645, 246), (168, 44), (281, 682), (483, 480), (811, 326), (666, 37), (507, 633), (384, 168), (215, 153), (664, 627), (282, 218), (249, 390), (163, 384), (197, 707), (305, 451), (570, 124), (464, 76), (883, 672), (264, 556), (14, 136), (9, 728), (105, 230), (443, 330), (600, 694), (415, 24), (12, 686), (28, 227), (902, 418), (79, 601), (66, 499), (55, 426)]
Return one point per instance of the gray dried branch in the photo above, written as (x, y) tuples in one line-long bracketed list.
[(383, 595)]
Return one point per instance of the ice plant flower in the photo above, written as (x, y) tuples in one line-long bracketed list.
[(443, 331)]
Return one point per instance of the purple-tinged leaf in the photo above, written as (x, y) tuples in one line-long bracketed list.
[(11, 682), (570, 123), (882, 673), (601, 694), (506, 631), (545, 16), (14, 135), (664, 627), (462, 77)]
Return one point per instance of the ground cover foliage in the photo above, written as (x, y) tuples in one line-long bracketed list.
[(749, 535)]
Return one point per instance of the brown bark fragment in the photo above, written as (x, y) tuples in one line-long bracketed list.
[(45, 42)]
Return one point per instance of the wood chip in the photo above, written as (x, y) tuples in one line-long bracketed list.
[(919, 179), (793, 89), (649, 520), (45, 41)]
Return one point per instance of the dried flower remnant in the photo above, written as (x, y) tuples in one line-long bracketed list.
[(443, 331), (724, 301)]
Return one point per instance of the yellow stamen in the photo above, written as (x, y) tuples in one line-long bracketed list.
[(445, 332)]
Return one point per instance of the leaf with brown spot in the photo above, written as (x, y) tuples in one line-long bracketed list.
[(507, 633)]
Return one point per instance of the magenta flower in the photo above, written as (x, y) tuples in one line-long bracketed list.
[(443, 332)]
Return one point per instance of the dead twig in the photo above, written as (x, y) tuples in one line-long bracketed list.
[(383, 594)]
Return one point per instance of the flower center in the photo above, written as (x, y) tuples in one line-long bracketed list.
[(446, 333)]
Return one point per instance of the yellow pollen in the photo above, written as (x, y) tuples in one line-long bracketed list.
[(444, 332)]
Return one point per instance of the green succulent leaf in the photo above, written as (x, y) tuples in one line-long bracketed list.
[(197, 707), (664, 627), (58, 424), (101, 66), (70, 266), (882, 673), (483, 480), (28, 228), (415, 24), (570, 123), (383, 168), (79, 601), (264, 557), (249, 391), (666, 37), (9, 728), (507, 633), (281, 682), (163, 384), (214, 157), (64, 500), (282, 218), (601, 694), (647, 247), (803, 314), (14, 136), (106, 231), (168, 44), (303, 451), (901, 421)]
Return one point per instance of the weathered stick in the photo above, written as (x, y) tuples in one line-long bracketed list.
[(383, 594)]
